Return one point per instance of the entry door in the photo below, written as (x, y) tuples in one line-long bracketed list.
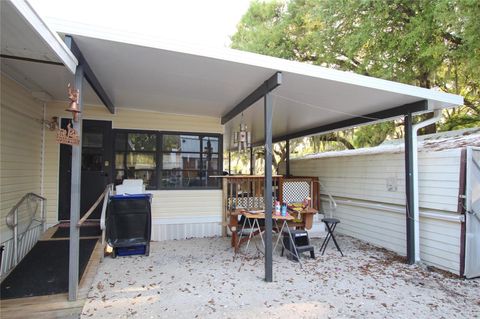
[(472, 240), (96, 167)]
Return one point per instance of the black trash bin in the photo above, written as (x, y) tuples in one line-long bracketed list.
[(128, 224)]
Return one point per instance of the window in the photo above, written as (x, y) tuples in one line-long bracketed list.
[(136, 157), (168, 160), (92, 151)]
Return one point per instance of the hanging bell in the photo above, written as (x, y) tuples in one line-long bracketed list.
[(73, 107)]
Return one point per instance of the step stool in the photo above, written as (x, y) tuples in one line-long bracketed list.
[(301, 242)]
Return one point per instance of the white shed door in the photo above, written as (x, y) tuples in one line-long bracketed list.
[(472, 242)]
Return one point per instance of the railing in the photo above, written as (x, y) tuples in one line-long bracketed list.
[(247, 191), (103, 196), (28, 224), (106, 194)]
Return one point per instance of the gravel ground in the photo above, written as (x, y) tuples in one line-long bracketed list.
[(200, 278)]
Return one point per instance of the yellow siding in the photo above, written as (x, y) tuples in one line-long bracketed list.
[(144, 120), (185, 203), (166, 204), (21, 141)]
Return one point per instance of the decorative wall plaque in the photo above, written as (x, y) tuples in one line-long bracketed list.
[(68, 136)]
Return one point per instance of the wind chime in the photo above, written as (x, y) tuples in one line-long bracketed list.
[(73, 107), (243, 138), (69, 135)]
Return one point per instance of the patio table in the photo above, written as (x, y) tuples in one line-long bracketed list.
[(255, 226), (306, 215)]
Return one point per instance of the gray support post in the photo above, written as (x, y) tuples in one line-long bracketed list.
[(268, 187), (252, 162), (229, 162), (409, 190), (75, 195), (287, 158)]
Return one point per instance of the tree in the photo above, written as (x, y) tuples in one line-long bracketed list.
[(432, 44)]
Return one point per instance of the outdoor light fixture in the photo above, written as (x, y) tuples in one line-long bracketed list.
[(243, 138), (52, 125), (73, 97)]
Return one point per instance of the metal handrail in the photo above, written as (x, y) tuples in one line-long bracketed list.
[(12, 221), (108, 191), (94, 206)]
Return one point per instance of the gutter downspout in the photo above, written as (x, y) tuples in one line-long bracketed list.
[(437, 115)]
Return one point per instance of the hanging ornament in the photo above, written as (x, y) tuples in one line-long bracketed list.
[(243, 138), (73, 107)]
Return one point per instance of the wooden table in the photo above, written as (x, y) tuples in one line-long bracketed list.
[(306, 216)]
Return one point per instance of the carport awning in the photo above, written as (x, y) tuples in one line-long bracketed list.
[(144, 73), (26, 35)]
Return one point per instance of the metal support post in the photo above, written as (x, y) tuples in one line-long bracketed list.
[(252, 162), (15, 237), (409, 189), (75, 195), (287, 158), (268, 187)]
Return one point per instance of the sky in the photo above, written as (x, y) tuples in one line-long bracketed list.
[(200, 22)]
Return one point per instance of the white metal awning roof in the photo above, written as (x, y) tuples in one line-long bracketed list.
[(26, 35), (145, 73)]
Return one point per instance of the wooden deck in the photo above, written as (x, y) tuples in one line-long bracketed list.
[(54, 306)]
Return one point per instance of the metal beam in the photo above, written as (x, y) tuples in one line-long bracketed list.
[(401, 110), (267, 86), (268, 187), (76, 172), (409, 189), (89, 75)]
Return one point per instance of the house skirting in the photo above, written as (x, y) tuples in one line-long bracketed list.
[(184, 228)]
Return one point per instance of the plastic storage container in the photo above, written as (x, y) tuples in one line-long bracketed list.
[(128, 224)]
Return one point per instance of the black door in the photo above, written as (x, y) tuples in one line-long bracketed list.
[(96, 167)]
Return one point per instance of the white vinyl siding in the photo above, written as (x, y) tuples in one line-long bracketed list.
[(365, 177), (362, 180), (21, 148)]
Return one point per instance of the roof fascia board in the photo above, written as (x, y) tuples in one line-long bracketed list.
[(267, 86), (48, 36), (89, 75), (275, 64), (415, 107), (12, 57)]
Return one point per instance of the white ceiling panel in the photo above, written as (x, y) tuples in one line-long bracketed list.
[(25, 35)]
